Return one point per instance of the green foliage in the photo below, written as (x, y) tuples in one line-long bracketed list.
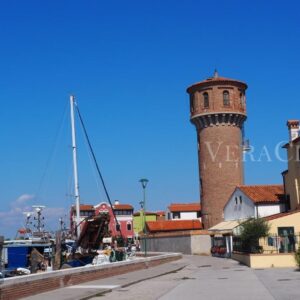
[(251, 231), (297, 257)]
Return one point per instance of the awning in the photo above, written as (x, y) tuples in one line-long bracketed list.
[(225, 227)]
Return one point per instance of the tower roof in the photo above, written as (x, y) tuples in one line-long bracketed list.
[(216, 80)]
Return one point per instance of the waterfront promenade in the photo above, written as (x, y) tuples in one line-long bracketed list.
[(192, 277)]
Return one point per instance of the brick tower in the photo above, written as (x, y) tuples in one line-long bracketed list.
[(218, 110)]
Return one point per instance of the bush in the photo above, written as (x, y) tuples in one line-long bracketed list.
[(251, 231), (297, 257)]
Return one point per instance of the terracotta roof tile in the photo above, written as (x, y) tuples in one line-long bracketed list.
[(161, 213), (217, 80), (263, 193), (122, 206), (84, 207), (175, 207), (280, 215), (147, 213), (171, 225)]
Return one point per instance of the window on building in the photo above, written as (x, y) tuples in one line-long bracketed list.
[(117, 227), (205, 100), (236, 200), (226, 100), (198, 214), (176, 215), (192, 102), (129, 226), (241, 199)]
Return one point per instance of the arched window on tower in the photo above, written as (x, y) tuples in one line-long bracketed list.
[(192, 102), (205, 100), (226, 100)]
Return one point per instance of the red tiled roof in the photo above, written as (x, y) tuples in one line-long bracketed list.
[(122, 206), (263, 193), (292, 123), (173, 225), (161, 213), (84, 207), (281, 215), (217, 80), (175, 207), (147, 213)]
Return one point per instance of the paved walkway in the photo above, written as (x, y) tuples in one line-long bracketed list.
[(193, 277)]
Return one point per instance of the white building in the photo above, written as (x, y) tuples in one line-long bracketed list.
[(184, 211), (255, 201), (246, 202)]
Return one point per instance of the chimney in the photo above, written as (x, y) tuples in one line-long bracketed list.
[(293, 126)]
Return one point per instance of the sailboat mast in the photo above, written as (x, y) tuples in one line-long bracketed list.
[(74, 150)]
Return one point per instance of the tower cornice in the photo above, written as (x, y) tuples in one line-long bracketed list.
[(218, 119), (216, 81)]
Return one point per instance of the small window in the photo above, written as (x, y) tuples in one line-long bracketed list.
[(129, 226), (117, 227), (176, 215), (205, 100), (226, 100), (236, 200), (241, 199)]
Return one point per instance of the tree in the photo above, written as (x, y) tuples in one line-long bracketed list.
[(251, 231)]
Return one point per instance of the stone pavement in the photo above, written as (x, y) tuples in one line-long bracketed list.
[(193, 277)]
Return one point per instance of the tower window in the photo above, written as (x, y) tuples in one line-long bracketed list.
[(242, 100), (205, 100), (226, 100), (192, 102)]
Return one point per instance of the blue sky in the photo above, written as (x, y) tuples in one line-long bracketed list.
[(129, 64)]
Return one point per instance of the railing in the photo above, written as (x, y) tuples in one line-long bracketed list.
[(268, 245)]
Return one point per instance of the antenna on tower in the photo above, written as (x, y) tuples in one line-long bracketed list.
[(216, 74)]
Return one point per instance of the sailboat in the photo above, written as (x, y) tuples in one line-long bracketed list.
[(88, 232)]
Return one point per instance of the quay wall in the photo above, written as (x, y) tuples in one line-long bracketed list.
[(19, 287)]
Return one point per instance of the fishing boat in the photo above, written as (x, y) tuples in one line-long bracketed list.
[(31, 250)]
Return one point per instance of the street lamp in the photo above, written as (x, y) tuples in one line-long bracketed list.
[(144, 183)]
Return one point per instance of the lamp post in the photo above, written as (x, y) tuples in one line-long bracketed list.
[(144, 183)]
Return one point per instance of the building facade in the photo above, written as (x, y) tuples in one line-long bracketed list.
[(291, 177), (184, 211), (218, 111), (123, 224), (255, 201)]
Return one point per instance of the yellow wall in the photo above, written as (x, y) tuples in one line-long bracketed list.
[(292, 178), (138, 222), (292, 220), (257, 261)]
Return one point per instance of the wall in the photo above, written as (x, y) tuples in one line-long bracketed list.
[(189, 242), (188, 215), (292, 178), (138, 222), (267, 210), (257, 261), (291, 220), (244, 210), (23, 286)]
